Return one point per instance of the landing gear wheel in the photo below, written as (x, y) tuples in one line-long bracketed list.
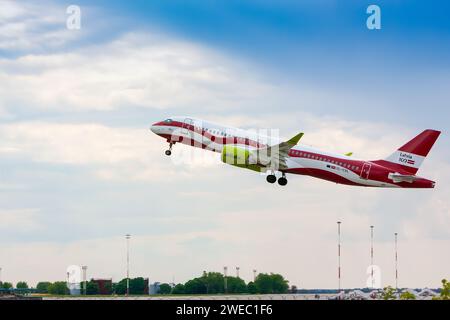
[(282, 181), (169, 152), (271, 178)]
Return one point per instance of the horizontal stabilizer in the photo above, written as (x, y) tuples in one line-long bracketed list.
[(397, 177)]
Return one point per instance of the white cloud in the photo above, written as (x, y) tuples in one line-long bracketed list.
[(136, 70), (27, 25)]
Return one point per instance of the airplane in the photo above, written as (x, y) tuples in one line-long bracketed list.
[(270, 155)]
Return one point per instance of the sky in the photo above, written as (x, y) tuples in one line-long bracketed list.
[(79, 168)]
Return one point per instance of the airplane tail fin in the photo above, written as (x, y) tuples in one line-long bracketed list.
[(410, 156)]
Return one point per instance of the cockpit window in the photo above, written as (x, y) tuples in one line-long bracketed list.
[(168, 120)]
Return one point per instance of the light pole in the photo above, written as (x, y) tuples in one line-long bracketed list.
[(0, 275), (371, 253), (84, 279), (339, 254), (225, 278), (396, 263), (237, 272), (254, 275), (127, 236)]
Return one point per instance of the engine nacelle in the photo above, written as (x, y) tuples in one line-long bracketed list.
[(239, 157)]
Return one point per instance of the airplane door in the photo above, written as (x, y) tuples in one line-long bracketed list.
[(365, 170)]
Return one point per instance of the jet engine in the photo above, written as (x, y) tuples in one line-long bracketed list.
[(240, 157)]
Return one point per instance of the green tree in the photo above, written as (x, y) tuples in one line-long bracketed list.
[(120, 287), (137, 285), (91, 288), (58, 288), (236, 285), (214, 282), (279, 284), (445, 291), (22, 285), (165, 288), (7, 285), (271, 283), (263, 283), (42, 287), (388, 293), (251, 288), (407, 296), (178, 289), (195, 286), (211, 283)]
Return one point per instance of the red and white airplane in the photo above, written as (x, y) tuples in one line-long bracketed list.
[(263, 153)]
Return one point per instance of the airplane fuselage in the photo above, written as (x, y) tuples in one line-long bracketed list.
[(301, 159)]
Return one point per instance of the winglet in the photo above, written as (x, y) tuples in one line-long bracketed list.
[(293, 141), (348, 154)]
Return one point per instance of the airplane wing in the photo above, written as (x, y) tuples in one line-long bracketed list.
[(397, 177), (275, 156)]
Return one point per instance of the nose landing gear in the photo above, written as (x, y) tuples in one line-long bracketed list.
[(169, 152)]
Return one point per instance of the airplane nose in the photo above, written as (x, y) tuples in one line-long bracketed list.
[(153, 128)]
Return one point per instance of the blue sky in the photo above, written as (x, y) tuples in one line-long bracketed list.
[(320, 42), (80, 168)]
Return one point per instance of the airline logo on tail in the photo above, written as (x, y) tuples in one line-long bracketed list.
[(406, 158), (411, 155)]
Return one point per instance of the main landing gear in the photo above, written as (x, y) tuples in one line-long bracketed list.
[(169, 152), (271, 178), (282, 181)]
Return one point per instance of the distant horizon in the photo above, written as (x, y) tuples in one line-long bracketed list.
[(81, 169)]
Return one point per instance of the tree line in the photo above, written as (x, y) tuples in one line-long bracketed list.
[(215, 282), (208, 283)]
